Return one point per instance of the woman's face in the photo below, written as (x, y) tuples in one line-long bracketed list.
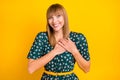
[(56, 22)]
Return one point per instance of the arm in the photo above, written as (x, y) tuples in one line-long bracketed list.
[(83, 64), (71, 47), (34, 65)]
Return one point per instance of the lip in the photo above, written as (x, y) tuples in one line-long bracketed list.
[(56, 25)]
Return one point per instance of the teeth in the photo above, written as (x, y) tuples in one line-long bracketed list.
[(56, 25)]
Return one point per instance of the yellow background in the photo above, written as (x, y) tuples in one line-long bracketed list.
[(98, 20)]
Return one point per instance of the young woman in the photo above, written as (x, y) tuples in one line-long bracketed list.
[(58, 49)]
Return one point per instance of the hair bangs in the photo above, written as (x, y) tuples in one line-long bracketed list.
[(56, 11)]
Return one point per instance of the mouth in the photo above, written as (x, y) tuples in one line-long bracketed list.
[(56, 25)]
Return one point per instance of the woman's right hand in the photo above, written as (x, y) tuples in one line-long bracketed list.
[(58, 49), (38, 63)]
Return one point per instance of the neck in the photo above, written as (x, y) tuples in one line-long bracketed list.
[(58, 35)]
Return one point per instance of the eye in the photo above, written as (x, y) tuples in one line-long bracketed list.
[(49, 18), (58, 16)]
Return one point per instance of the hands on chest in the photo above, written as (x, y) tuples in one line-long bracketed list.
[(65, 45)]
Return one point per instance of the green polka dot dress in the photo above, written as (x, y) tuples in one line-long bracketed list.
[(60, 63)]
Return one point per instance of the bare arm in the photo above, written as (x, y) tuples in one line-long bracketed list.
[(71, 47), (83, 64), (34, 65)]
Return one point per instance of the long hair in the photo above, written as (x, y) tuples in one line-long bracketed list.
[(55, 9)]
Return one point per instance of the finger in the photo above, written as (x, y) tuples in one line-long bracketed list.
[(66, 40), (63, 41), (69, 39), (62, 45)]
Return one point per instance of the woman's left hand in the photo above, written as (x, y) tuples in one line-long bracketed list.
[(68, 45)]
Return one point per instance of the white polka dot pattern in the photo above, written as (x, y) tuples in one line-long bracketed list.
[(63, 62)]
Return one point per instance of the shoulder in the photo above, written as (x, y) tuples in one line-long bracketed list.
[(76, 34), (41, 35)]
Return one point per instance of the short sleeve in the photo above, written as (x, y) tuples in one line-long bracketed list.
[(82, 46), (36, 50)]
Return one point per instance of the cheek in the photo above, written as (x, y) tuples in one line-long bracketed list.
[(49, 22), (62, 20)]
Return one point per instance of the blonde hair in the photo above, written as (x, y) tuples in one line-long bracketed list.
[(55, 9)]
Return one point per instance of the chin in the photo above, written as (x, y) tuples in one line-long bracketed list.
[(56, 30)]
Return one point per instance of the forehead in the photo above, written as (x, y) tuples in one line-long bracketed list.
[(55, 12)]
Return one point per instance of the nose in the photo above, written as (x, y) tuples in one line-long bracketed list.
[(54, 19)]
